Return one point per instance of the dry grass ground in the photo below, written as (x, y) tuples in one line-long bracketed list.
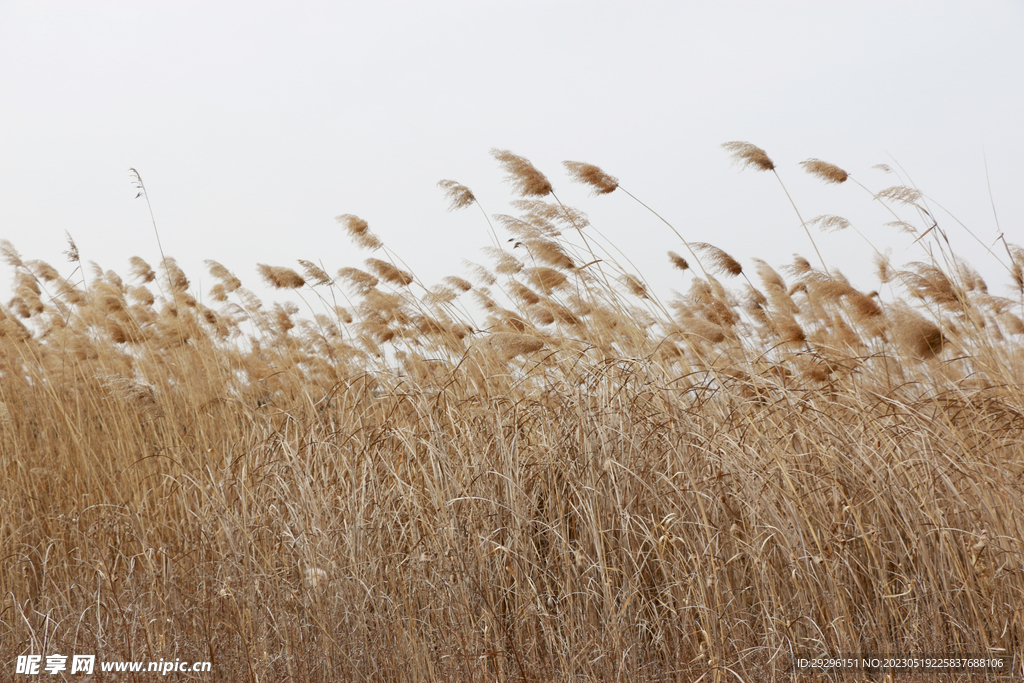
[(543, 472)]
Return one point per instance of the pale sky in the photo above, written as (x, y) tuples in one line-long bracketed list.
[(254, 124)]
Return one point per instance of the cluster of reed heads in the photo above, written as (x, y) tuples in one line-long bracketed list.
[(536, 470)]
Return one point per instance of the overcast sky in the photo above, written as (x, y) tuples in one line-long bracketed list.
[(254, 124)]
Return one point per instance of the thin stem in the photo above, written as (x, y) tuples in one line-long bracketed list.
[(803, 223), (142, 193), (671, 227)]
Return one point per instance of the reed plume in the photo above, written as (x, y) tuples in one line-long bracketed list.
[(359, 231), (589, 174), (521, 174), (459, 196), (389, 273), (750, 156), (718, 259), (280, 277), (678, 261), (824, 170)]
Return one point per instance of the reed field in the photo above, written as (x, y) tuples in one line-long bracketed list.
[(539, 469)]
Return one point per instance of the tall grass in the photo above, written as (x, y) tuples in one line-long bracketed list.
[(537, 471)]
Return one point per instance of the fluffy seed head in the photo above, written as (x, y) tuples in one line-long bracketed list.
[(750, 155), (280, 277), (359, 231), (315, 273), (457, 283), (635, 285), (175, 275), (703, 330), (138, 394), (527, 180), (142, 295), (788, 329), (551, 253), (360, 279), (524, 293), (883, 268), (439, 294), (588, 174), (1017, 267), (801, 266), (829, 223), (901, 194), (542, 315), (678, 261), (824, 170), (546, 279), (512, 344), (389, 273), (926, 281), (1012, 324), (504, 262), (72, 251), (918, 336), (10, 255), (228, 280), (141, 270), (459, 196), (45, 271), (718, 259)]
